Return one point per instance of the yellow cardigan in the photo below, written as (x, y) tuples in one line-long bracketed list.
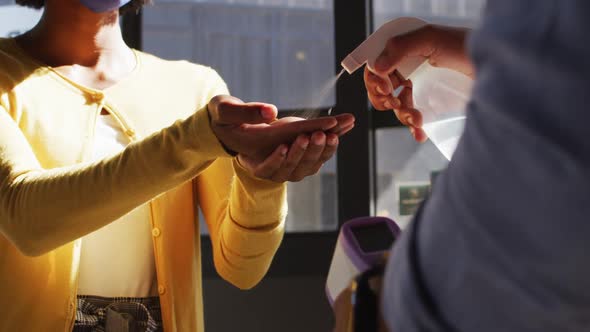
[(50, 196)]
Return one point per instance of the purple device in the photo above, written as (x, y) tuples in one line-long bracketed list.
[(361, 244)]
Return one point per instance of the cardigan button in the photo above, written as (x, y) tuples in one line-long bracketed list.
[(130, 133), (97, 97), (156, 232), (161, 289)]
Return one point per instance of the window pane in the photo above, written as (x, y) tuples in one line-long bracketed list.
[(280, 51), (454, 12), (277, 51), (15, 20), (405, 169), (404, 172)]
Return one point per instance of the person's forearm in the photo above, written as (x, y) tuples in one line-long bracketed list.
[(254, 229), (257, 203), (246, 221), (43, 209)]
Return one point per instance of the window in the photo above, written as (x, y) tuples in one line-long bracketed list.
[(278, 51), (449, 12), (16, 19), (405, 169)]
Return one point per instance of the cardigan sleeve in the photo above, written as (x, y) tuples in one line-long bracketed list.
[(42, 209), (245, 216)]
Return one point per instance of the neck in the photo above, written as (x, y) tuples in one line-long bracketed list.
[(70, 34)]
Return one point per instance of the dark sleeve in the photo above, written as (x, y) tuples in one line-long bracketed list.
[(502, 243)]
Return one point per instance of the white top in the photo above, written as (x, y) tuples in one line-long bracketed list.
[(118, 259)]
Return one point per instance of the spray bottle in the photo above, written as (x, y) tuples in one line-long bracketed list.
[(439, 94)]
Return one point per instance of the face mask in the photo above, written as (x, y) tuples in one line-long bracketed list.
[(101, 6)]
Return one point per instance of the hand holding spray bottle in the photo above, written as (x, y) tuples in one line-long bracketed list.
[(440, 94)]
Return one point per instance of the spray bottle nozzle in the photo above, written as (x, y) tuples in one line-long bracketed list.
[(350, 64), (371, 48)]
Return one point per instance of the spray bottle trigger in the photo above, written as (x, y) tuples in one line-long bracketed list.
[(394, 92), (398, 91)]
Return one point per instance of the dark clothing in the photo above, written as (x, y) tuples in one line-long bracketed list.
[(503, 243)]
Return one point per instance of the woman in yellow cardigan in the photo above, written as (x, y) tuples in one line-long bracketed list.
[(106, 153)]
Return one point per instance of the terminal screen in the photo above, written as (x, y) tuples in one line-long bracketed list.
[(371, 238)]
